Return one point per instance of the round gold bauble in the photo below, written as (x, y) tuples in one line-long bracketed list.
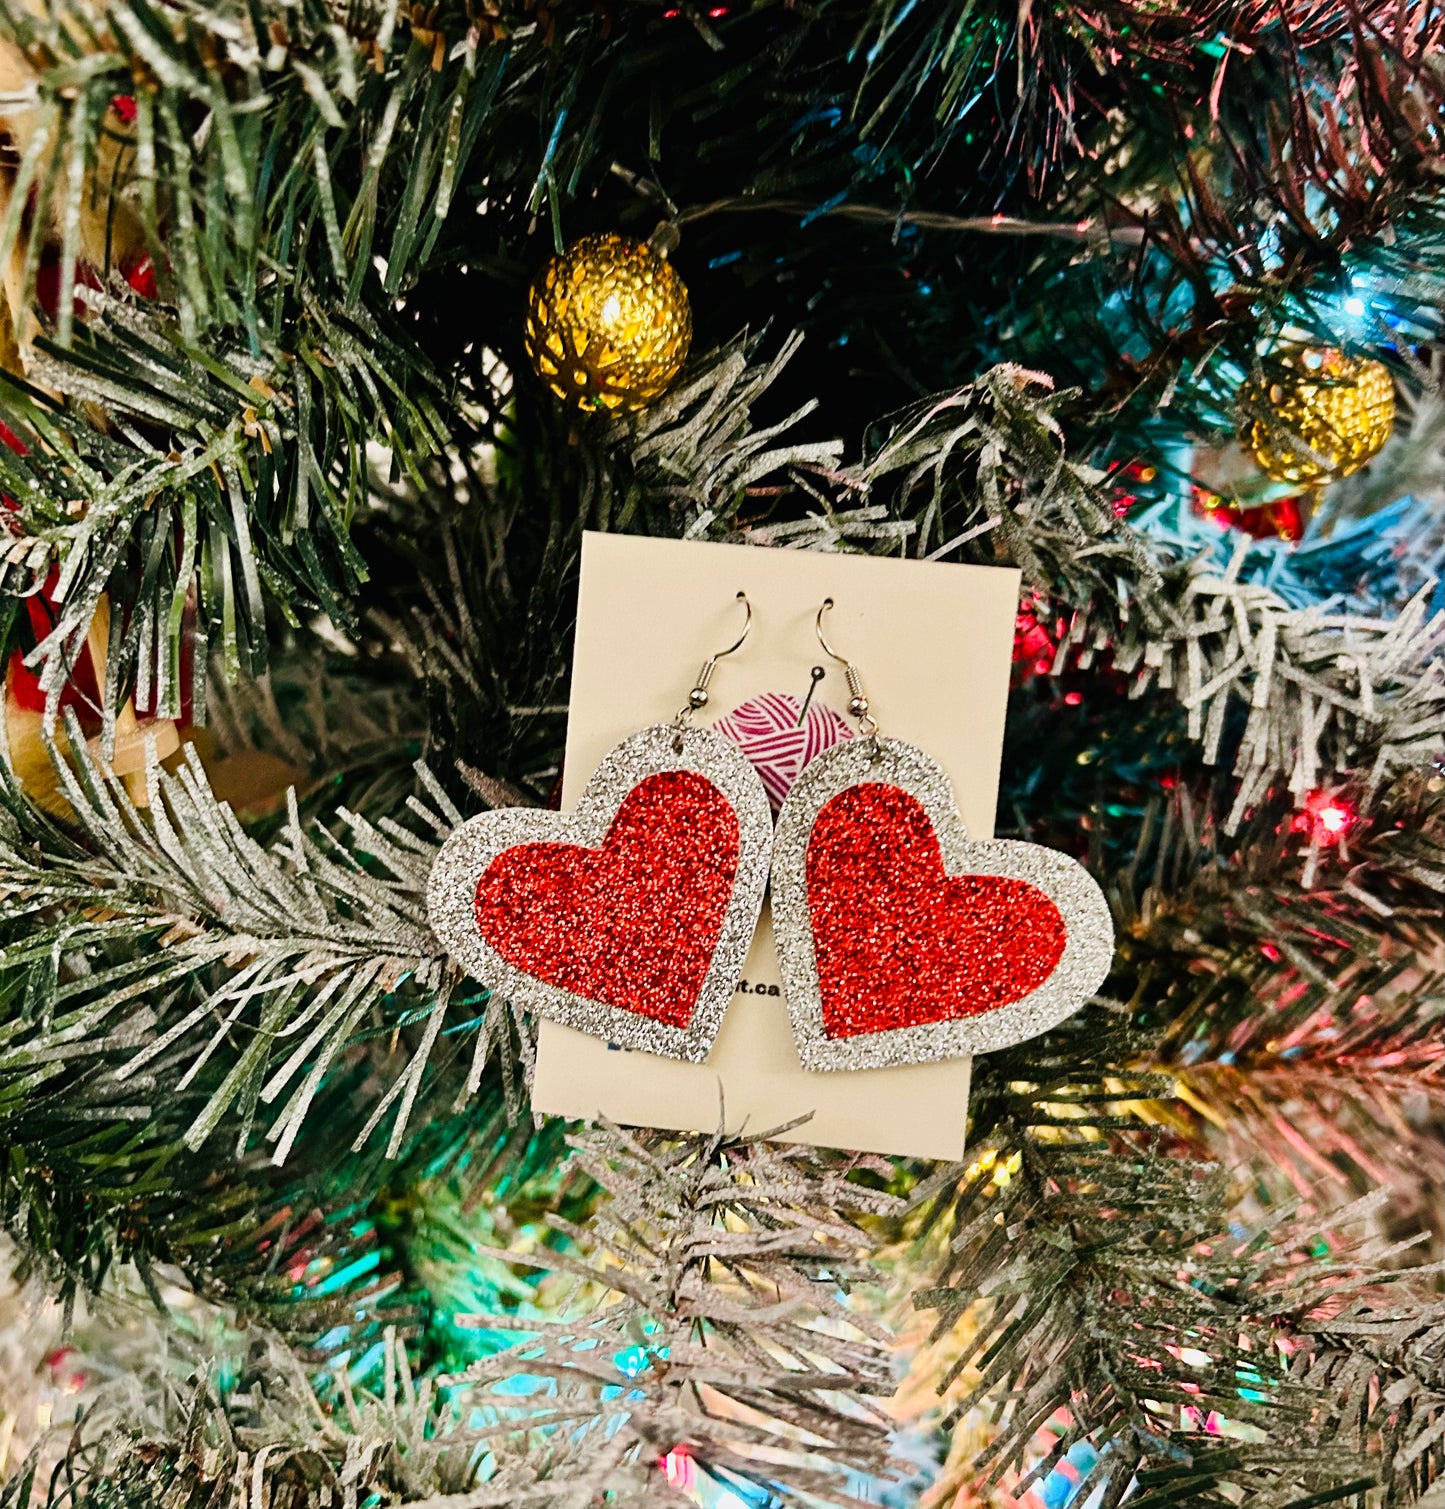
[(1320, 418), (608, 324)]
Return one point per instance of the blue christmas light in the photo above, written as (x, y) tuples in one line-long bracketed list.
[(1062, 1485), (632, 1360)]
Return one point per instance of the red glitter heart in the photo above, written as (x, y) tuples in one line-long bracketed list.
[(633, 924), (898, 942)]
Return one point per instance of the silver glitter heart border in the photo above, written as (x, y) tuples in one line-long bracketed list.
[(1088, 952), (459, 867)]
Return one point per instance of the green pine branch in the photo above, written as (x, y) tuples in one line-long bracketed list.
[(1096, 1264)]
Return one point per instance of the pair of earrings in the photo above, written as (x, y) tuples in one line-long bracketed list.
[(900, 940)]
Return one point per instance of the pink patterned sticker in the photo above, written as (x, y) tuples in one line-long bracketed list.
[(779, 734)]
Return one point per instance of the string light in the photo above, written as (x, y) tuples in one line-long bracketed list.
[(1334, 819), (1325, 817), (1061, 1487), (679, 1469)]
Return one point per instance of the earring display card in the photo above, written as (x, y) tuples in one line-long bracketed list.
[(933, 644)]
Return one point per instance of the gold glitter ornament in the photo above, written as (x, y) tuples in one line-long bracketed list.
[(608, 324), (1328, 414)]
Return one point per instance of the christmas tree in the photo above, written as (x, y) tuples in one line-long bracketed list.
[(1142, 299)]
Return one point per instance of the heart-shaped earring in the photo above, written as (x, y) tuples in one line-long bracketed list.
[(629, 917), (900, 940)]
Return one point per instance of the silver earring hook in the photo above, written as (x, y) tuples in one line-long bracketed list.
[(697, 697), (857, 699), (737, 644), (823, 638)]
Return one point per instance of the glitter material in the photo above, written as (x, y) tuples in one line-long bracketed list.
[(907, 947), (634, 923), (610, 832), (781, 737), (900, 944), (608, 324), (1328, 415)]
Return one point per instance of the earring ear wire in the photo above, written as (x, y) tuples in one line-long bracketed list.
[(697, 698), (857, 698)]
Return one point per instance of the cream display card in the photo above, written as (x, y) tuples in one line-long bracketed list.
[(933, 643)]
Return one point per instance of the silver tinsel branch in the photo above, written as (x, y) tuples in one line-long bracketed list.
[(134, 1403), (1099, 1267), (720, 1319), (173, 923), (984, 474), (712, 1318)]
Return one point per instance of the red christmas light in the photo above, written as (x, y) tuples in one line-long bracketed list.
[(1334, 819), (141, 275), (1139, 473), (679, 1469), (66, 1370), (1325, 818)]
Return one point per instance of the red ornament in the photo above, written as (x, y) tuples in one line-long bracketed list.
[(82, 687), (1034, 649), (633, 924), (81, 690), (1284, 519), (141, 275), (898, 942), (139, 272), (47, 284)]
